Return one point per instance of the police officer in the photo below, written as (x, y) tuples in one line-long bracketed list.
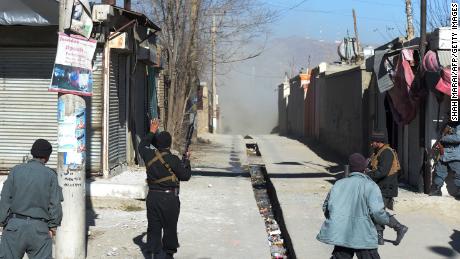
[(164, 172), (384, 169), (450, 159), (30, 207)]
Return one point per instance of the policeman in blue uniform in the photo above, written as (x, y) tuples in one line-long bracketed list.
[(30, 207)]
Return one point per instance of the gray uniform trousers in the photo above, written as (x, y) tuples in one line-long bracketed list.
[(29, 236)]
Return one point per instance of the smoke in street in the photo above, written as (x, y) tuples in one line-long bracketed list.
[(248, 91)]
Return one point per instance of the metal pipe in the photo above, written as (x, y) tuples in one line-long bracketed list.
[(358, 50), (109, 2), (118, 31), (105, 114), (127, 5), (422, 28)]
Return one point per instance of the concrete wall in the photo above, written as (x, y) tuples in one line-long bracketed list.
[(334, 110), (282, 110), (342, 110), (295, 109), (310, 112)]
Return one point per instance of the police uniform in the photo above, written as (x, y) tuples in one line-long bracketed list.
[(384, 169), (30, 206), (164, 172), (450, 159)]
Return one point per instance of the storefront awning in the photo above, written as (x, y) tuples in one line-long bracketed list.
[(29, 12)]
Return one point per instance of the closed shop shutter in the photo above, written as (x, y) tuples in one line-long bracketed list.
[(27, 110), (117, 111), (95, 111)]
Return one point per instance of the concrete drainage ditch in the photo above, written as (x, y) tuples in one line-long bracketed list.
[(269, 207)]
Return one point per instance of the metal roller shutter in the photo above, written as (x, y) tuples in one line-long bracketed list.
[(94, 127), (117, 112), (27, 110)]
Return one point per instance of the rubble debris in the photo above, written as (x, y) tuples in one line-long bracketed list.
[(275, 237)]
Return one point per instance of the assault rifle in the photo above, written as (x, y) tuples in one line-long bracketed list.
[(188, 138), (437, 150), (435, 153)]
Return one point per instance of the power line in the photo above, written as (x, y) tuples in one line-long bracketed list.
[(288, 8), (379, 3), (335, 12)]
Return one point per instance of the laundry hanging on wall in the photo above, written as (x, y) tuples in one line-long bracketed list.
[(437, 74), (402, 104)]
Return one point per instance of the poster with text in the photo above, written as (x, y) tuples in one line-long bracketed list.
[(72, 72)]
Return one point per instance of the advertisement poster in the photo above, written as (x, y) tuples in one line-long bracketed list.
[(81, 18), (72, 72), (67, 134), (72, 136)]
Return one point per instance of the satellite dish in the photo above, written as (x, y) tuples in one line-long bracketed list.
[(347, 49)]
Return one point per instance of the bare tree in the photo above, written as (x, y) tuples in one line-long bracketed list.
[(438, 13), (185, 42), (179, 22), (239, 22)]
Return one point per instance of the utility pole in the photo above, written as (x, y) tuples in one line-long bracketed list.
[(410, 25), (213, 78), (358, 50), (127, 5), (422, 27), (71, 236)]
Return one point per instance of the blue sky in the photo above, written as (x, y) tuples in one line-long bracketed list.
[(378, 20)]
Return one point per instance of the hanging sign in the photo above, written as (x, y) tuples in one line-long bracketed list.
[(81, 22), (72, 72)]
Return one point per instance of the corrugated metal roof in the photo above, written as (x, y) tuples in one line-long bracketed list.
[(444, 57)]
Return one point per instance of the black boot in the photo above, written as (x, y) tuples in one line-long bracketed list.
[(457, 195), (399, 228), (435, 190), (380, 237)]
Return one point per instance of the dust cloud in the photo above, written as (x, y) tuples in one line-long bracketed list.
[(248, 91)]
